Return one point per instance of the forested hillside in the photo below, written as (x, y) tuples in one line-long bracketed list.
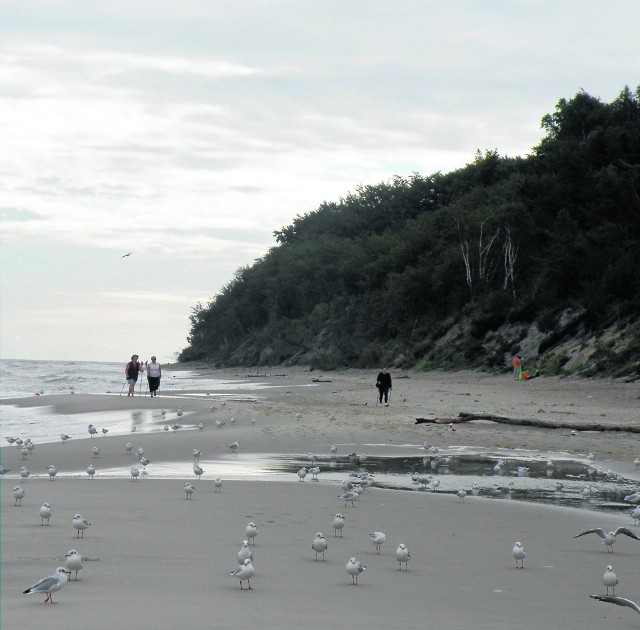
[(536, 254)]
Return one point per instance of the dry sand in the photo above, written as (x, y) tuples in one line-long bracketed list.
[(156, 560)]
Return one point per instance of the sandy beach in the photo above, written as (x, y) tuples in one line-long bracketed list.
[(153, 559)]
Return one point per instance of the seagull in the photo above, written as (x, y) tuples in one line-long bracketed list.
[(73, 562), (127, 254), (24, 473), (200, 426), (608, 538), (140, 452), (52, 471), (636, 462), (95, 451), (620, 601), (219, 424), (189, 489), (145, 462), (334, 449), (64, 437), (245, 552), (635, 514), (319, 545), (251, 531), (18, 493), (434, 484), (349, 497), (91, 471), (518, 554), (80, 523), (49, 585), (92, 430), (632, 498), (176, 425), (462, 493), (198, 471), (403, 555), (179, 411), (104, 431), (45, 513), (314, 473), (196, 455), (217, 484), (378, 539), (609, 579), (244, 572), (302, 473), (234, 446), (354, 569), (338, 524), (128, 448), (135, 472)]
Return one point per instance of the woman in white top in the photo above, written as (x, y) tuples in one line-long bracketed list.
[(154, 372)]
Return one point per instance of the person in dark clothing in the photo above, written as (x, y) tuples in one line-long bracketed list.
[(131, 371), (383, 383)]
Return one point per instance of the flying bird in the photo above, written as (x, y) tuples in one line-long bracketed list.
[(620, 601), (608, 538), (127, 254)]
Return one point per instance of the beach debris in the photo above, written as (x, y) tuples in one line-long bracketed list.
[(609, 579), (244, 572), (354, 569), (338, 524), (73, 562), (518, 554), (18, 493), (319, 545), (403, 555), (80, 523), (49, 585), (189, 489), (608, 538), (45, 513)]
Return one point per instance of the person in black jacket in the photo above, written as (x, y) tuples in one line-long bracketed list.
[(131, 371), (383, 383)]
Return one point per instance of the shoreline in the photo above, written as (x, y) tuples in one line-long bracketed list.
[(149, 547)]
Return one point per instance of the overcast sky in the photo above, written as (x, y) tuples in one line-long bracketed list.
[(187, 132)]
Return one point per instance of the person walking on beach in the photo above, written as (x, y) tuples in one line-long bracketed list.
[(154, 372), (516, 362), (383, 383), (131, 371)]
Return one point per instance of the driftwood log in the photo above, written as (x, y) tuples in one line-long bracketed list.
[(466, 416)]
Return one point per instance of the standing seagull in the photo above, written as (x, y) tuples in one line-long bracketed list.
[(338, 524), (403, 555), (354, 569), (608, 538), (45, 513), (609, 579), (377, 538), (80, 523), (52, 471), (189, 489), (251, 531), (73, 562), (244, 552), (18, 493), (518, 554), (319, 545), (49, 585), (234, 446), (244, 572)]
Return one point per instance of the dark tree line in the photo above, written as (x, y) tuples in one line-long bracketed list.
[(383, 274)]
